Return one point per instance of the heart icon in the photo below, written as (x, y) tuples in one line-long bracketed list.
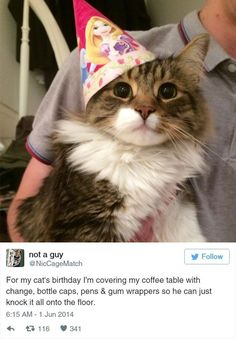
[(63, 328)]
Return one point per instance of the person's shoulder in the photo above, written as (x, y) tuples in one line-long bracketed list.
[(164, 39), (72, 61), (69, 71)]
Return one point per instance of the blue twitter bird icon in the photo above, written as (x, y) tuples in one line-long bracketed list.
[(194, 256)]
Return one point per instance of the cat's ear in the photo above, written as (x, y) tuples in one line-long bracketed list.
[(193, 55)]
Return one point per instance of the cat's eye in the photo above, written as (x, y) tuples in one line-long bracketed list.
[(167, 91), (122, 90)]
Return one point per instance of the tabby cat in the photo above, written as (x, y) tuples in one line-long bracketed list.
[(126, 158)]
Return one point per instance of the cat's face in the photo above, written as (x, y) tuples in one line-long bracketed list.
[(155, 102)]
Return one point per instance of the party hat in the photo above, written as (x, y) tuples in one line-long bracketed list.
[(106, 51)]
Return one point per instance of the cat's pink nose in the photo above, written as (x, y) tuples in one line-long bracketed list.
[(145, 111)]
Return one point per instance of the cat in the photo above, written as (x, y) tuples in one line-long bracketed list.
[(127, 158)]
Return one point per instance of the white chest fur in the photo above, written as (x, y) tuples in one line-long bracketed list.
[(145, 176)]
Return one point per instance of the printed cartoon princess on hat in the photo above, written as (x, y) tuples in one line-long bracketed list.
[(105, 41)]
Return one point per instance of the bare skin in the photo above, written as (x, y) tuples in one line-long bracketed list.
[(219, 19), (30, 184)]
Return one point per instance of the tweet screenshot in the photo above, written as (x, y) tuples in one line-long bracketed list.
[(118, 291)]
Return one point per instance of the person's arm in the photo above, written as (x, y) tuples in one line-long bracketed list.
[(29, 186)]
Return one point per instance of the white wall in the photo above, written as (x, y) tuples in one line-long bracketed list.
[(9, 76), (170, 11)]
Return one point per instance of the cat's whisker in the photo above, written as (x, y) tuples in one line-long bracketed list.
[(180, 140), (204, 146), (186, 134), (172, 138)]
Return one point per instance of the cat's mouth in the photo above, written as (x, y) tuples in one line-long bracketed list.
[(132, 128), (143, 128)]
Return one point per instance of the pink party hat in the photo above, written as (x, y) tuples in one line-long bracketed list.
[(106, 51)]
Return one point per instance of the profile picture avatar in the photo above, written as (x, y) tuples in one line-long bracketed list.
[(15, 258)]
